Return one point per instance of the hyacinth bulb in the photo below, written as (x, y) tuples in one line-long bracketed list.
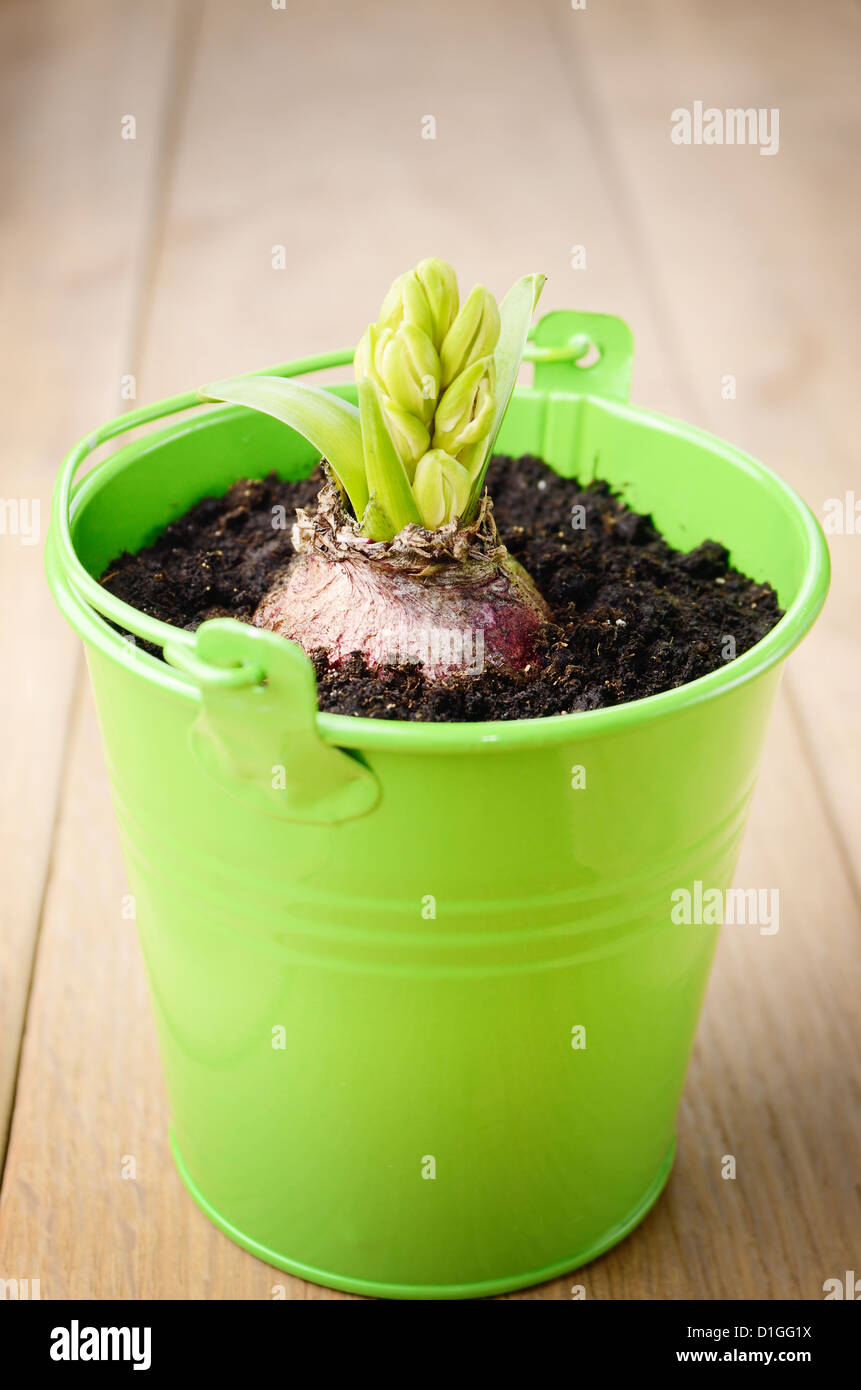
[(446, 600)]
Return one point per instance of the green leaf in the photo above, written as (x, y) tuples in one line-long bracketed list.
[(376, 523), (386, 476), (515, 315), (331, 424)]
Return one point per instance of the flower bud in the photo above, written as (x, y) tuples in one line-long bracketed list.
[(439, 283), (465, 411), (409, 436), (407, 302), (408, 368), (441, 488), (473, 334)]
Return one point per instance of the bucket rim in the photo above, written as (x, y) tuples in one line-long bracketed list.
[(350, 731)]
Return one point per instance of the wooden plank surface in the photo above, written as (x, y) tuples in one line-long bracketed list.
[(323, 154), (73, 236)]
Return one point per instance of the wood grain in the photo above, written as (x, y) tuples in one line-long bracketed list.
[(76, 197), (724, 261)]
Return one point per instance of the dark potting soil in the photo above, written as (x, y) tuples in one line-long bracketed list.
[(631, 616)]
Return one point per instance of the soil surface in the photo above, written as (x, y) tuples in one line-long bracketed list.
[(631, 616)]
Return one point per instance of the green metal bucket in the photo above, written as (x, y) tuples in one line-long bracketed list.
[(440, 1064)]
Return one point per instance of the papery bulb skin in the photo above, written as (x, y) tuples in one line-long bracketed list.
[(452, 599)]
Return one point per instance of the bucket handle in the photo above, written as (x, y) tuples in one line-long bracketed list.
[(178, 645), (260, 742), (583, 354)]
